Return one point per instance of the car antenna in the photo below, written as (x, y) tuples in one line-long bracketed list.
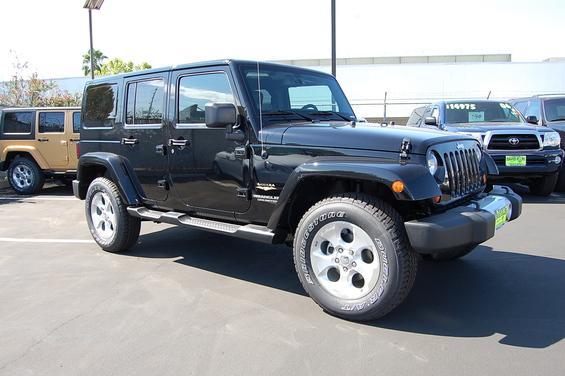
[(264, 154), (488, 96)]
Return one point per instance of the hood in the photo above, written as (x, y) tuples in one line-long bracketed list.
[(364, 136), (486, 127)]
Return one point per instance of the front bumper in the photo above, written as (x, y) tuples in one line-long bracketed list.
[(463, 225), (538, 163)]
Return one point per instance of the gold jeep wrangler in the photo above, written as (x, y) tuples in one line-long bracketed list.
[(39, 143)]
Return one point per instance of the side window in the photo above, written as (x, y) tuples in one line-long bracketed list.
[(17, 123), (533, 109), (197, 90), (435, 114), (100, 106), (51, 122), (415, 117), (521, 106), (145, 102), (76, 122)]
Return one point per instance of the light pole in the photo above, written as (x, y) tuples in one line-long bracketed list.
[(334, 59), (90, 5)]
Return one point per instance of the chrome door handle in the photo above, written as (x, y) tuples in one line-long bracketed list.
[(181, 142), (130, 141), (42, 139)]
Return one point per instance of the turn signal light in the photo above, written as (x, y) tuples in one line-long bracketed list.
[(397, 186), (484, 178), (437, 199)]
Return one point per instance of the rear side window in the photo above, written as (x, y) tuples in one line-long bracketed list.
[(100, 105), (197, 90), (145, 102), (17, 122), (51, 122), (76, 122)]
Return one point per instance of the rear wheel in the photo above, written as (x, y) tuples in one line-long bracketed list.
[(452, 254), (25, 176), (108, 220), (543, 186), (352, 256)]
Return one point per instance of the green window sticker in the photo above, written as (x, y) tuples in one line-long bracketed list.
[(476, 116)]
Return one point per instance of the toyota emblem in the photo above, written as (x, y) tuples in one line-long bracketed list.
[(513, 141)]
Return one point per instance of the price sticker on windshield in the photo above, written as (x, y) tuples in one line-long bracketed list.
[(461, 106), (476, 116)]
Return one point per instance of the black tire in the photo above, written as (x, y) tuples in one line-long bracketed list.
[(543, 186), (452, 254), (560, 186), (126, 228), (385, 229), (29, 184)]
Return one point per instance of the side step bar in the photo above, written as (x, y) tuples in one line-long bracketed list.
[(251, 232)]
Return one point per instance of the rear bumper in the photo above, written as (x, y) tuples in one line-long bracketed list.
[(463, 225)]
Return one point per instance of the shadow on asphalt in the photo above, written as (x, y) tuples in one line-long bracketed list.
[(520, 296), (50, 189)]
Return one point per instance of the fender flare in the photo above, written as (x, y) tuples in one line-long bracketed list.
[(118, 169), (31, 150), (419, 183)]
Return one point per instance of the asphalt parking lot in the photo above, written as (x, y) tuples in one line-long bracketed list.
[(188, 302)]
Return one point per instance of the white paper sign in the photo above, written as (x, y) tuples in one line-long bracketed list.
[(476, 116)]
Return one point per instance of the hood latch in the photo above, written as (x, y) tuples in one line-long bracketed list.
[(405, 148)]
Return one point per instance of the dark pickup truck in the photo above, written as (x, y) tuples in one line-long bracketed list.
[(523, 152), (275, 154)]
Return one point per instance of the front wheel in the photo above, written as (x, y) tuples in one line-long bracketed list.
[(352, 256), (543, 186), (108, 220)]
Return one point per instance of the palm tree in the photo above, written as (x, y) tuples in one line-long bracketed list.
[(99, 57)]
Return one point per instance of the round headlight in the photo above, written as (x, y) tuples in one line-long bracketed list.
[(432, 162)]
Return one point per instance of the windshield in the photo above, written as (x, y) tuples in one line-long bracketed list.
[(554, 109), (290, 94), (481, 112)]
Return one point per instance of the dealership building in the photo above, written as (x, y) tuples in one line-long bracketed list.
[(412, 81)]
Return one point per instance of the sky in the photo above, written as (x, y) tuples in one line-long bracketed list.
[(52, 35)]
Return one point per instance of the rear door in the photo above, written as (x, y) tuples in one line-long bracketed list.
[(51, 138), (143, 132), (73, 130)]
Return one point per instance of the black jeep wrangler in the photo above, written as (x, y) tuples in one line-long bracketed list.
[(274, 153)]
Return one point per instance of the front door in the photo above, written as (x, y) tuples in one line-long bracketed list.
[(143, 133), (208, 171), (51, 139), (73, 130)]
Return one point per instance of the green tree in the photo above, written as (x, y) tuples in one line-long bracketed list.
[(117, 65), (99, 58)]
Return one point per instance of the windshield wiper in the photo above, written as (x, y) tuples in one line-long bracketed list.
[(285, 113), (331, 113), (558, 119)]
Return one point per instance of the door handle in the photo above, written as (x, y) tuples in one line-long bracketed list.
[(130, 141), (74, 139), (181, 142), (42, 139)]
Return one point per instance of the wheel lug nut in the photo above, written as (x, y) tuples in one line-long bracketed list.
[(340, 250), (354, 264), (351, 252), (337, 260), (345, 268)]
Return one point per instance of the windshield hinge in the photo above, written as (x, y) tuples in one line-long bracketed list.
[(405, 148)]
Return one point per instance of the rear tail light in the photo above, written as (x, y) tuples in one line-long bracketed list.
[(78, 149)]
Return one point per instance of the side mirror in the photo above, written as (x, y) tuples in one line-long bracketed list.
[(532, 119), (220, 115), (430, 120)]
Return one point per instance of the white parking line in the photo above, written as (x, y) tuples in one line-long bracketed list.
[(43, 198), (19, 240)]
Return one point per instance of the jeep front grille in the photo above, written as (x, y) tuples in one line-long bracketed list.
[(463, 172), (513, 142)]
